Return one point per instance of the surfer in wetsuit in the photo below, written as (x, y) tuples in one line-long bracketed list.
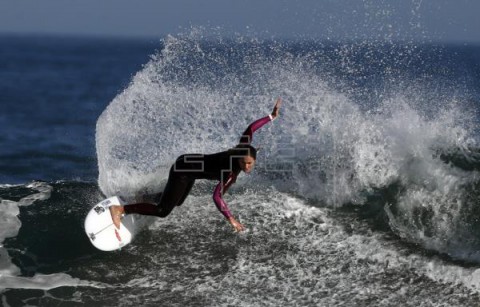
[(222, 166)]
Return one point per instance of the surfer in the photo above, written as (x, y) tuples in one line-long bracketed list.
[(222, 166)]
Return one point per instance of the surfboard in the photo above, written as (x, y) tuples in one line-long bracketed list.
[(102, 232)]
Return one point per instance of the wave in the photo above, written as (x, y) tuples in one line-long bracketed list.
[(359, 121)]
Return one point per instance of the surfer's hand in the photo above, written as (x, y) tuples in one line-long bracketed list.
[(276, 107), (238, 227)]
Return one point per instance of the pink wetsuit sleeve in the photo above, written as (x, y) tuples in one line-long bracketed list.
[(217, 196), (247, 136)]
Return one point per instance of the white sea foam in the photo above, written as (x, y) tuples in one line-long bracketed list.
[(292, 254), (41, 281), (322, 253)]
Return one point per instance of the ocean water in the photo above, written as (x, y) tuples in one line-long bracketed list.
[(365, 191)]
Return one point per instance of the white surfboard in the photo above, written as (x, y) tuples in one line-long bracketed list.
[(102, 232)]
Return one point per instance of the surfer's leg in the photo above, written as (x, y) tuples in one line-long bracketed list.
[(187, 190), (175, 192), (141, 208)]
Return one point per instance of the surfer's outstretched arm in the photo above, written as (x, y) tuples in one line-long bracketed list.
[(247, 135), (220, 189), (245, 139)]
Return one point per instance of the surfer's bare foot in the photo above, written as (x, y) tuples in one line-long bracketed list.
[(116, 212)]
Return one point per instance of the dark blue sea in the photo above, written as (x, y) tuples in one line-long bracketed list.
[(365, 192)]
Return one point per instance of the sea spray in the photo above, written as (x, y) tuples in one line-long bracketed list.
[(331, 143)]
